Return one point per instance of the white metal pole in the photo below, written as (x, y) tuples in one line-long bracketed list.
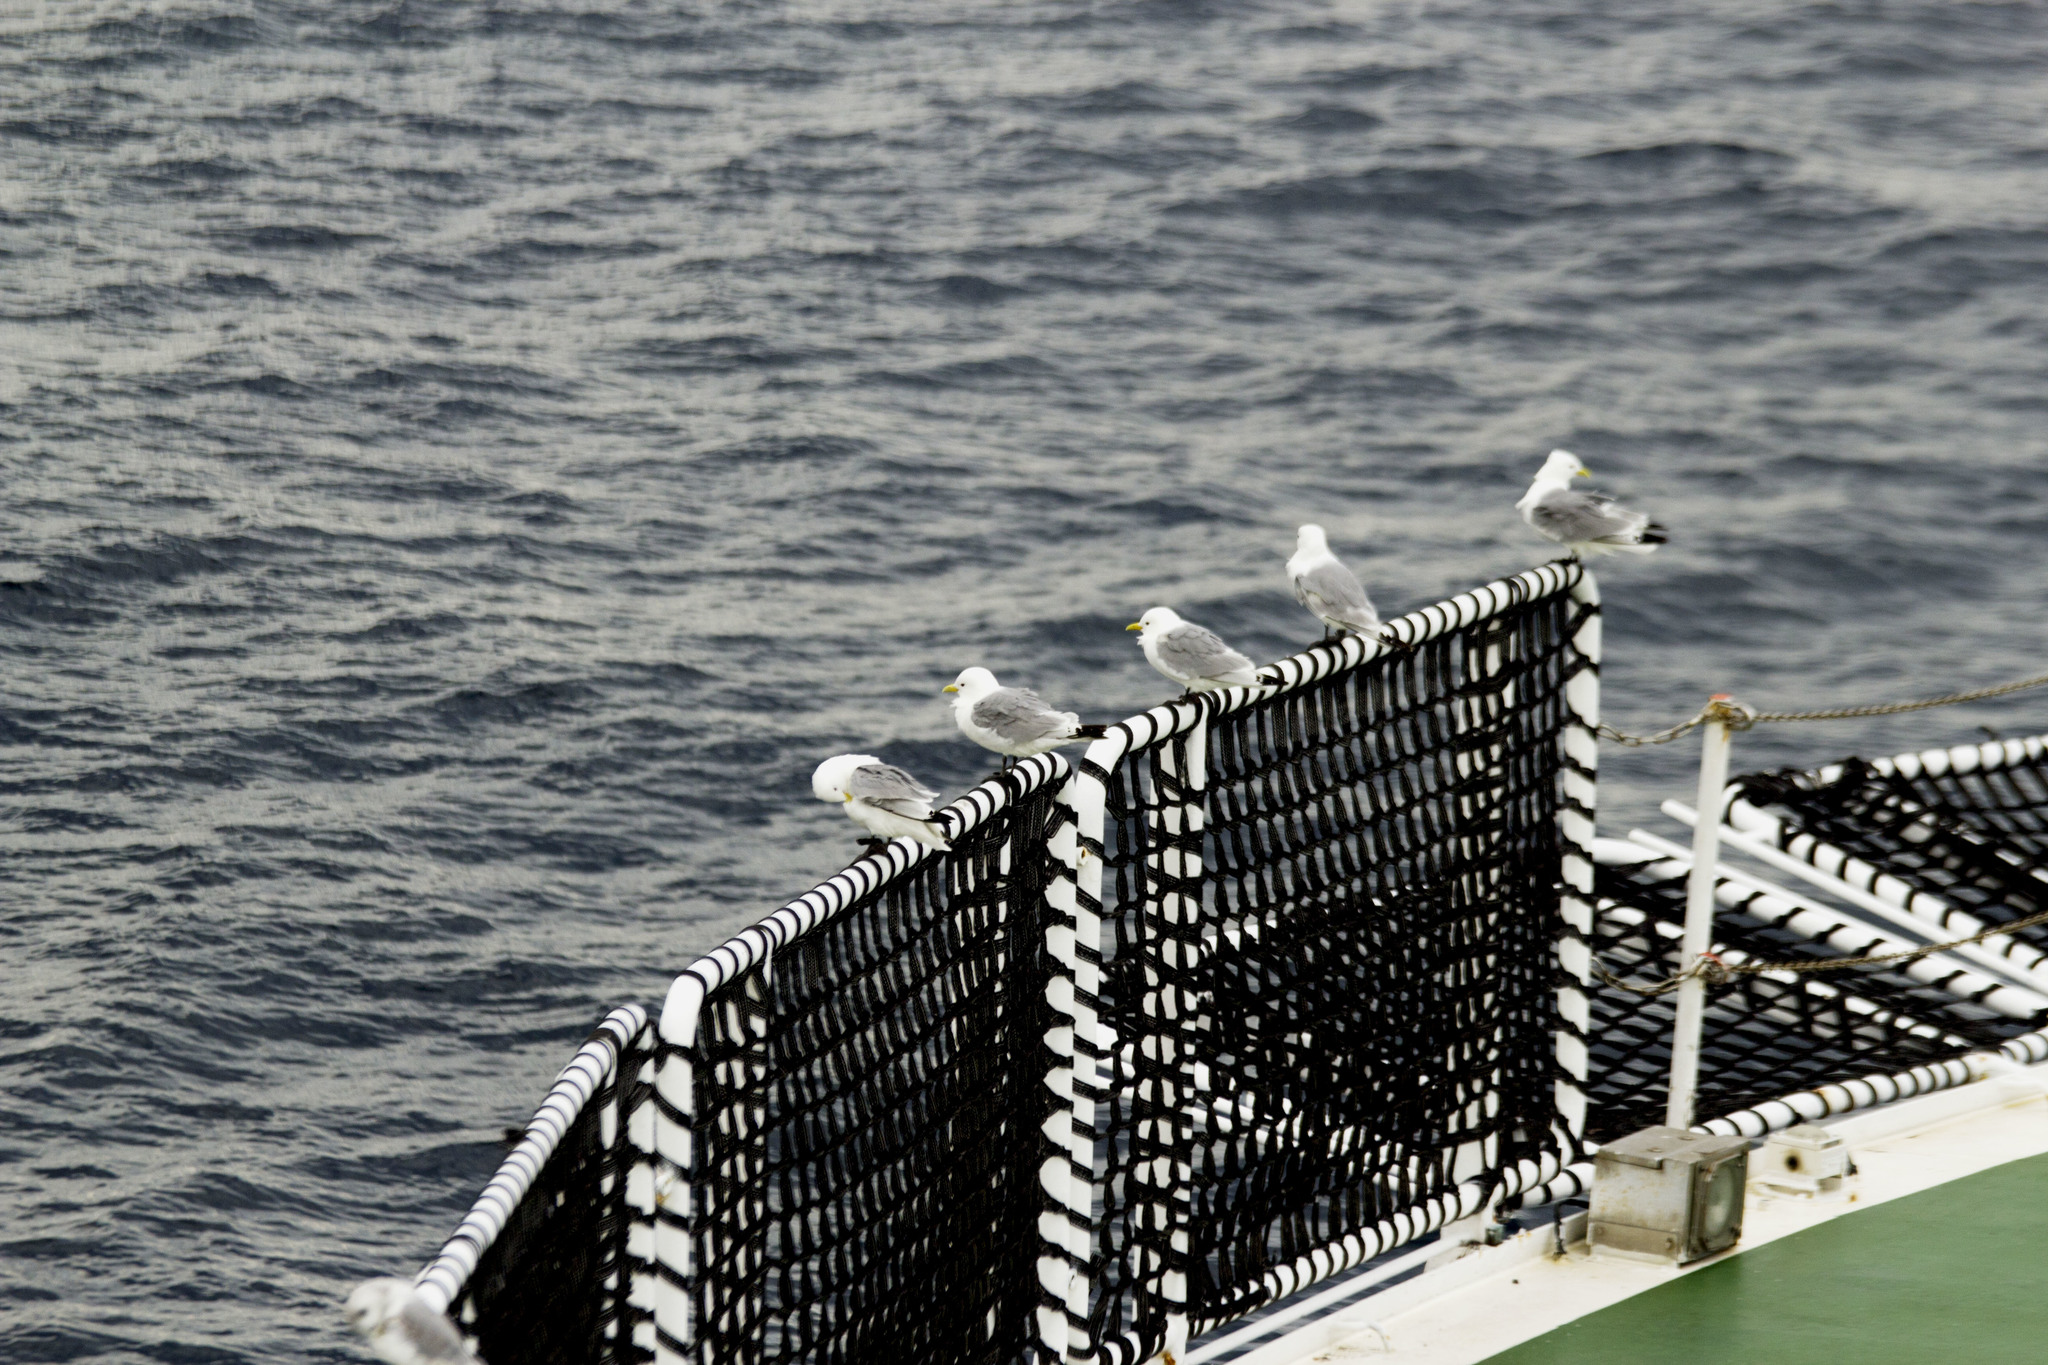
[(1699, 919)]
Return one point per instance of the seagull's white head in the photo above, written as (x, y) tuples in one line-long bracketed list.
[(1157, 619), (1562, 467), (828, 783), (373, 1303), (973, 684), (1310, 540)]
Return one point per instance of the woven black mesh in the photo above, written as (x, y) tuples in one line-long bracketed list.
[(1370, 979), (1973, 839), (868, 1116), (1762, 1038), (548, 1290)]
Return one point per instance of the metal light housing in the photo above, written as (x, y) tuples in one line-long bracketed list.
[(1664, 1194)]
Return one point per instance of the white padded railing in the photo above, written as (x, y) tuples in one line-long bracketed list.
[(1765, 837), (1076, 1077), (669, 1285), (1867, 1092), (1763, 902), (757, 944), (593, 1064), (1962, 758)]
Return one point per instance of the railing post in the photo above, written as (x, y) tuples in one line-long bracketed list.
[(1577, 799), (1073, 940), (674, 1191), (1699, 918), (1174, 1013), (637, 1277)]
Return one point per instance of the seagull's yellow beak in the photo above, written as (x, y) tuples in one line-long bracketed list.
[(1135, 625), (846, 796), (950, 687), (1585, 473)]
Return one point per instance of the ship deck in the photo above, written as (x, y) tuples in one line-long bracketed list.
[(1949, 1273), (1933, 1252)]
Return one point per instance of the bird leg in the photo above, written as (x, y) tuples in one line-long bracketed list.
[(875, 845)]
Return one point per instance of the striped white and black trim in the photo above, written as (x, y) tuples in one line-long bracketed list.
[(594, 1064)]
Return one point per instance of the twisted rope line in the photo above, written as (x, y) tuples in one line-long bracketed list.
[(1715, 972), (1739, 717)]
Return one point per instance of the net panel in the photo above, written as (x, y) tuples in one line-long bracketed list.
[(867, 1106), (2004, 797), (1976, 839), (1331, 973), (548, 1289), (1764, 1036)]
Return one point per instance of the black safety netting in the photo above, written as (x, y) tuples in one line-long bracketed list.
[(1330, 982), (1764, 1036), (1977, 840), (553, 1286), (1335, 995), (869, 1106)]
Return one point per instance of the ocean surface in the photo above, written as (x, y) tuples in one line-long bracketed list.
[(465, 464)]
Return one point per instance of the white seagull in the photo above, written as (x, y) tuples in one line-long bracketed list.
[(1190, 655), (1330, 591), (400, 1328), (879, 797), (1013, 721), (1585, 523)]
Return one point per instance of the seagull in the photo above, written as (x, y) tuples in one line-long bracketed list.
[(1013, 721), (1190, 655), (400, 1328), (1329, 590), (1585, 523), (881, 798)]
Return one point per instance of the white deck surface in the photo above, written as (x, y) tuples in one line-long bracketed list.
[(1497, 1297)]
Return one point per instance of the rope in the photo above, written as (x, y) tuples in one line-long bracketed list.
[(1736, 716), (1715, 972), (1899, 707)]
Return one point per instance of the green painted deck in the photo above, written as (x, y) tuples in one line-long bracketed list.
[(1954, 1275)]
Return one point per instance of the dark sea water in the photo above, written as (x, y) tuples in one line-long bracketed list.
[(465, 463)]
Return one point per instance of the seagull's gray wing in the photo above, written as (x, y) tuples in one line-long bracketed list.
[(1572, 517), (432, 1335), (1196, 653), (892, 789), (1019, 716), (1332, 591)]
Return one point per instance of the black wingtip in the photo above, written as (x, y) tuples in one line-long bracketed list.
[(1091, 731), (1653, 534)]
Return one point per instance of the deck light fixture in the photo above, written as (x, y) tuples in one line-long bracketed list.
[(1664, 1194)]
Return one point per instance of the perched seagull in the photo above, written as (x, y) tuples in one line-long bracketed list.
[(1329, 590), (1190, 655), (879, 797), (400, 1328), (1013, 721), (1585, 523)]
